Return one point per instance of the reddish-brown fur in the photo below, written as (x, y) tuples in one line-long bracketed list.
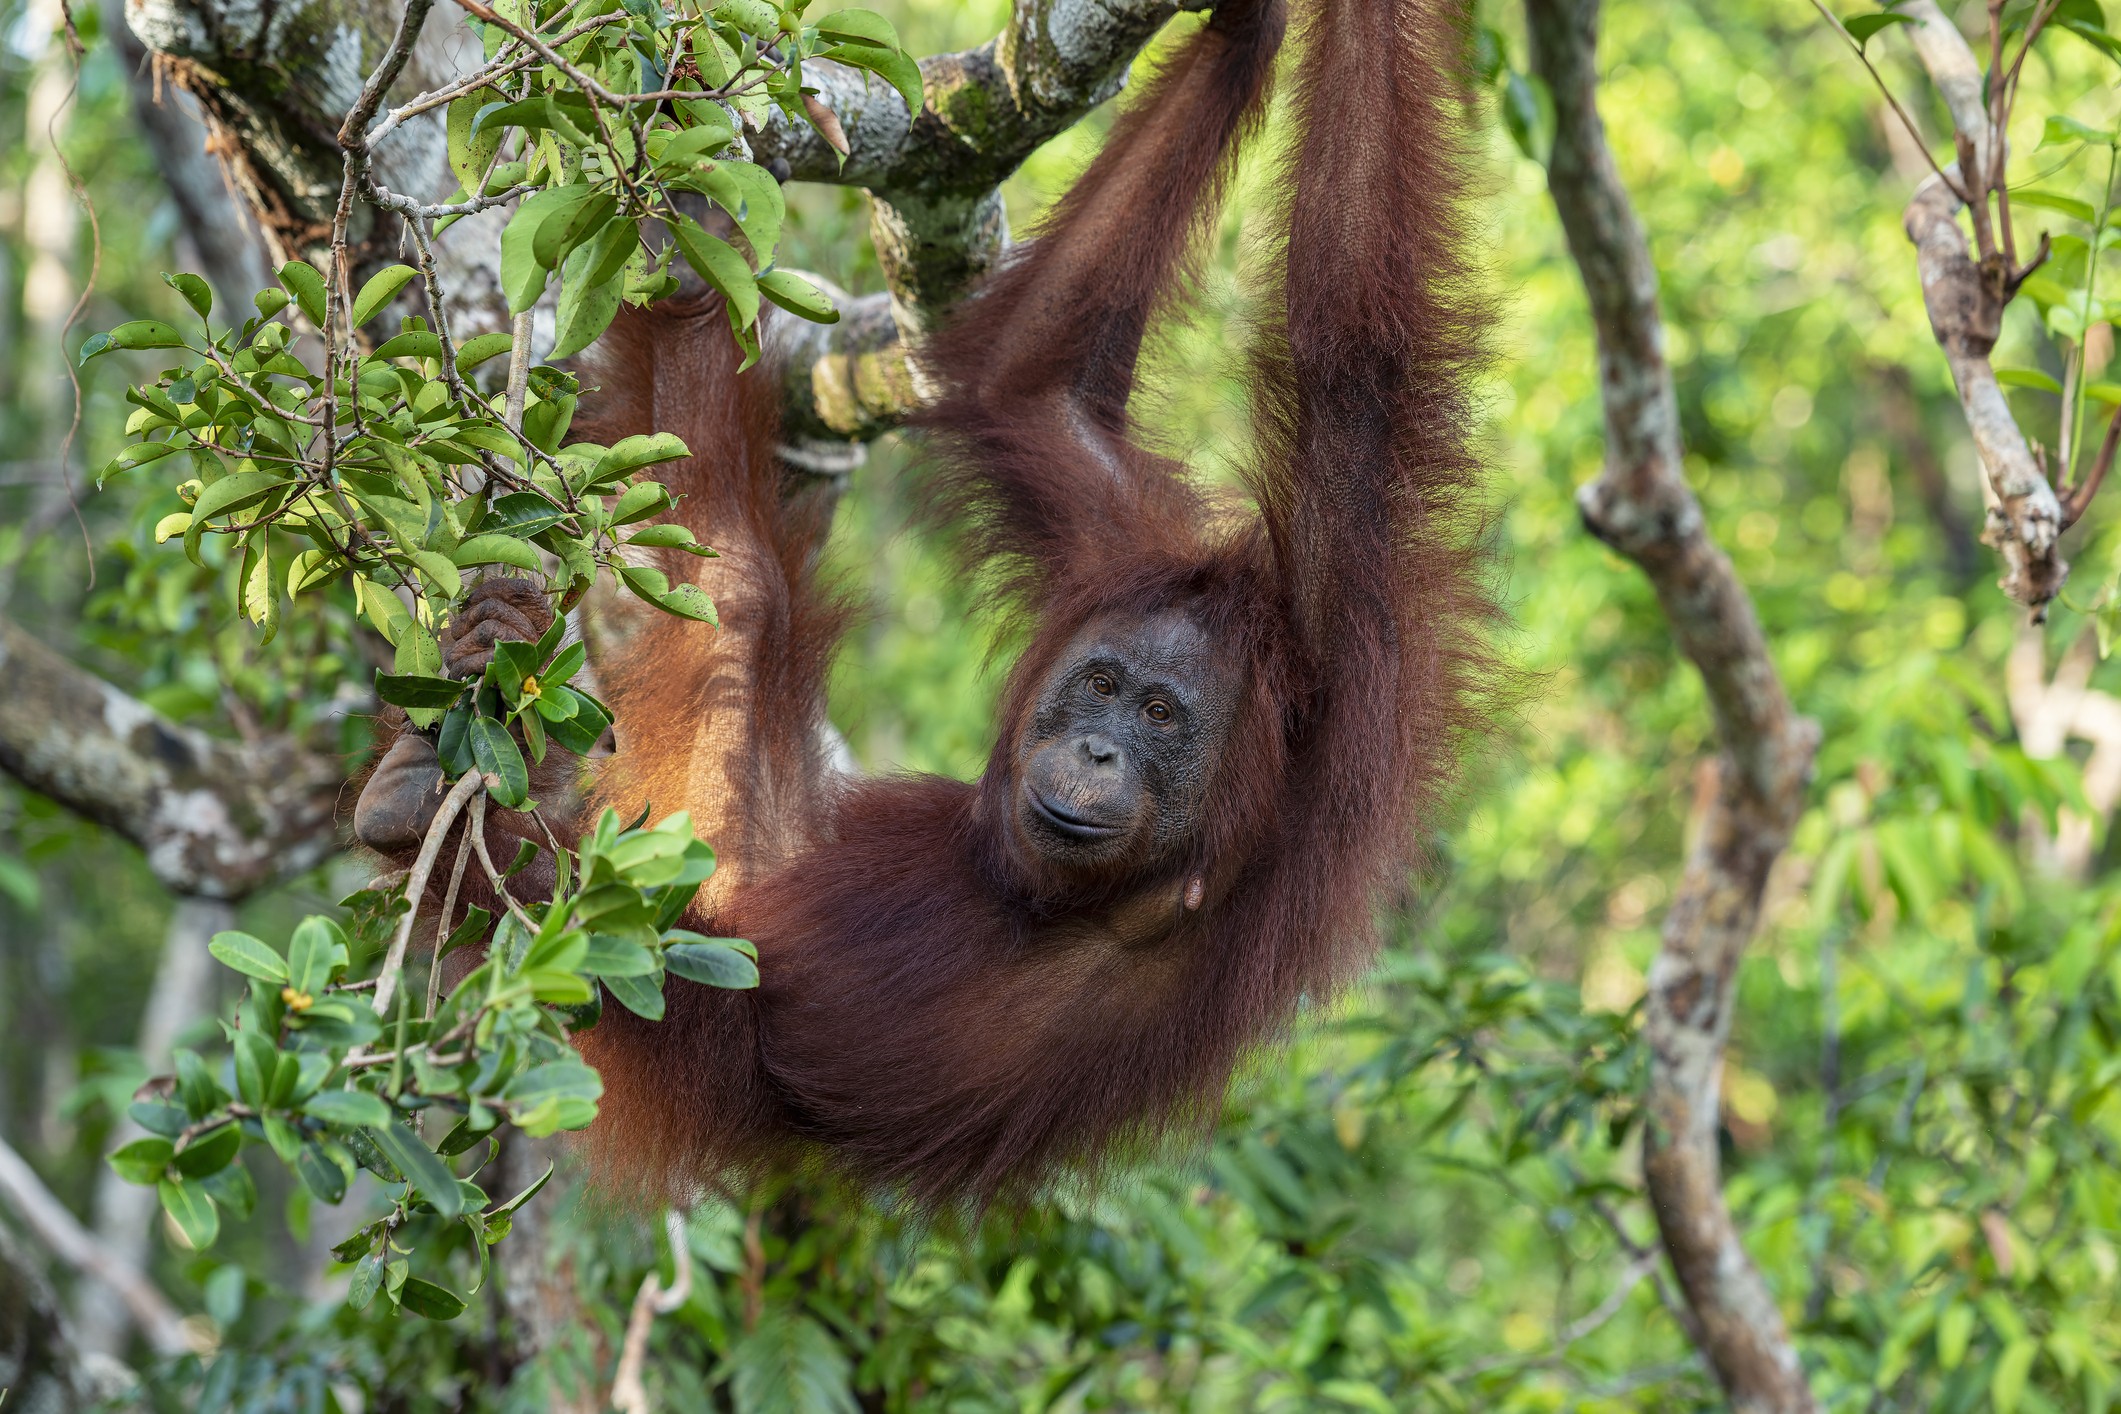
[(938, 1017)]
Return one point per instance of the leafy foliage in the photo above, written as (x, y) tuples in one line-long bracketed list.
[(390, 470)]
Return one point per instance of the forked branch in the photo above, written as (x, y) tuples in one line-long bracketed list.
[(1966, 288)]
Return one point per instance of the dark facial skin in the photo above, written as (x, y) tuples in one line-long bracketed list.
[(1123, 739)]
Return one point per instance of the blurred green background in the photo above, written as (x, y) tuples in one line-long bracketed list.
[(1431, 1201)]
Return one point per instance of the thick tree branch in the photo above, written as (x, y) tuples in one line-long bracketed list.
[(39, 1367), (72, 1244), (276, 82), (1965, 299), (217, 819), (1641, 505)]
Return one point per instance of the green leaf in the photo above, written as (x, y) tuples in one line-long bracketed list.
[(417, 689), (315, 954), (367, 1280), (858, 27), (248, 955), (258, 599), (257, 1061), (143, 1160), (1955, 1330), (352, 1108), (630, 454), (640, 501), (413, 343), (193, 1212), (424, 1298), (145, 334), (469, 152), (197, 293), (209, 1153), (577, 731), (2062, 130), (233, 493), (1862, 27), (439, 569), (604, 259), (157, 1118), (572, 225), (719, 265), (380, 289), (2027, 378), (585, 310), (564, 1079), (754, 17), (307, 286), (525, 1196), (1528, 114), (498, 550), (616, 957), (232, 1191), (712, 962), (522, 514), (2053, 201), (476, 350), (685, 600), (670, 537), (643, 996), (420, 1165), (791, 1364), (891, 65), (2006, 1386), (326, 1170), (798, 296), (498, 756), (710, 133), (522, 277)]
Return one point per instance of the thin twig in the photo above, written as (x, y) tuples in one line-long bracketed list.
[(1921, 143), (383, 196), (2077, 499), (416, 884), (353, 141), (442, 930), (438, 311), (591, 89)]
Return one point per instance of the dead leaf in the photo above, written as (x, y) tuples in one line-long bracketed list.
[(828, 124)]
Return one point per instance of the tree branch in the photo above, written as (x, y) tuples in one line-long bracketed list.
[(71, 1243), (1641, 505), (216, 818), (275, 96), (40, 1367), (1965, 300)]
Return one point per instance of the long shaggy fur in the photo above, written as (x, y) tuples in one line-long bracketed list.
[(938, 1018)]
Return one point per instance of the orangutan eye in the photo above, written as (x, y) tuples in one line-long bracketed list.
[(1102, 684), (1159, 711)]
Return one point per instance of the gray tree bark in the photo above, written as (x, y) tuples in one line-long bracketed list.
[(217, 819), (1641, 505), (40, 1368)]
